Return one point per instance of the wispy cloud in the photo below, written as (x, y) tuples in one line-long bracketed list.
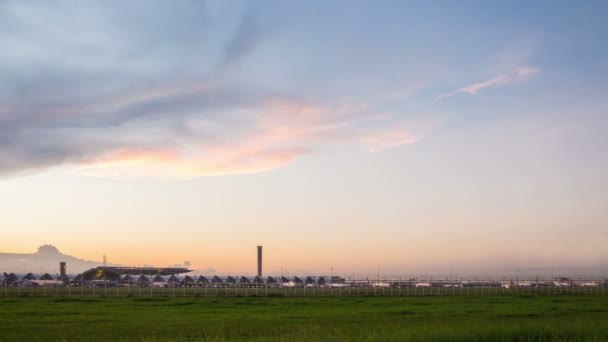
[(189, 130), (376, 141), (521, 74), (274, 135), (173, 165), (102, 96), (474, 88)]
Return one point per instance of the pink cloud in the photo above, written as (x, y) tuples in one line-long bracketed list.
[(523, 71), (173, 164), (474, 88), (521, 74), (282, 131), (386, 139)]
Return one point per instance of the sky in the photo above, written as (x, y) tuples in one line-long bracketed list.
[(354, 135)]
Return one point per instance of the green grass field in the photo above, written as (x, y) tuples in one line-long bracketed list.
[(566, 317)]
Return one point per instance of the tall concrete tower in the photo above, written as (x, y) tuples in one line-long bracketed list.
[(62, 269), (259, 261)]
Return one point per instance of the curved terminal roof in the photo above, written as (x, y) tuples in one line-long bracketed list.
[(152, 271)]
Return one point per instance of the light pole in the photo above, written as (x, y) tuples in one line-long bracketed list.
[(283, 284), (43, 281), (331, 280), (451, 281), (32, 286)]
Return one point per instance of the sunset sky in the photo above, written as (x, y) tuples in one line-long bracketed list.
[(344, 134)]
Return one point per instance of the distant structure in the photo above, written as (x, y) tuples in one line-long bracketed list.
[(259, 261), (114, 273), (62, 269)]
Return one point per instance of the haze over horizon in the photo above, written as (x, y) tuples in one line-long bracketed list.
[(47, 258), (409, 135)]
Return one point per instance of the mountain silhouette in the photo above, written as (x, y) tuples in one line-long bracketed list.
[(45, 260)]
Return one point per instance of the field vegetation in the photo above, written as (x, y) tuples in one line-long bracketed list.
[(565, 317)]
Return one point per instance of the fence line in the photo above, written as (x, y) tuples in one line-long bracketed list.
[(121, 288)]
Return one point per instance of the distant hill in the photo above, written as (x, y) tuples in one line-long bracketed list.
[(45, 259)]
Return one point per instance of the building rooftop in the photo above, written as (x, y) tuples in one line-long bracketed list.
[(163, 271)]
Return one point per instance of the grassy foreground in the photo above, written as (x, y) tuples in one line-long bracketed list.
[(491, 318)]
